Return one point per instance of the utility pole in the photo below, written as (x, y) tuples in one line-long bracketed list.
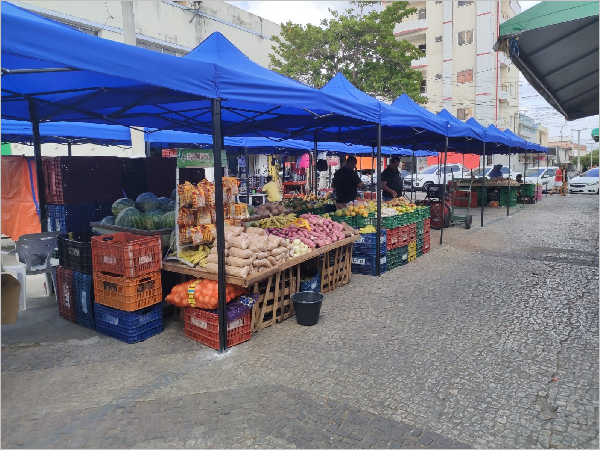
[(578, 148), (138, 144)]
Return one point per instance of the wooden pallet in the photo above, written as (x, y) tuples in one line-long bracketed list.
[(275, 302), (336, 268)]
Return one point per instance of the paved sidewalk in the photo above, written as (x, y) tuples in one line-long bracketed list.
[(490, 340)]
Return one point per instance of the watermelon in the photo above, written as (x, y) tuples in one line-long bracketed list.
[(146, 201), (121, 204), (130, 218), (108, 220), (172, 238), (168, 220), (152, 219), (174, 195), (171, 206), (163, 204)]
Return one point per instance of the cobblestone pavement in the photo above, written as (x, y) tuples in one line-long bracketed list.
[(490, 340)]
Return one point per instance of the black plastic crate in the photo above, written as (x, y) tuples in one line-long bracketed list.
[(106, 178), (83, 288), (76, 179), (67, 218), (161, 177), (75, 251), (101, 210), (133, 177)]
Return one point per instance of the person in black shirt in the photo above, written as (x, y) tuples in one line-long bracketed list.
[(391, 181), (345, 183)]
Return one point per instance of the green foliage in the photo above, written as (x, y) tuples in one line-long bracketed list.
[(587, 160), (359, 43)]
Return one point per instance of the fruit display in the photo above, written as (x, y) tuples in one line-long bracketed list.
[(152, 219), (308, 202), (130, 218), (401, 207), (121, 204), (168, 220), (205, 294), (368, 229), (197, 256), (388, 212), (146, 202), (267, 209), (321, 231), (275, 221), (108, 220)]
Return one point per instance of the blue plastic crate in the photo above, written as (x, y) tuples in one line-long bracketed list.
[(129, 327), (368, 270), (367, 243), (65, 218), (83, 288)]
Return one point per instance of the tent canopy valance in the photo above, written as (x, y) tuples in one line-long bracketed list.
[(555, 46), (72, 76)]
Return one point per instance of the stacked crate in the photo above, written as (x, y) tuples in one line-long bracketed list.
[(69, 193), (74, 278), (364, 253), (127, 286)]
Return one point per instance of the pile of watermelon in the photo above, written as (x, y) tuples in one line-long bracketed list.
[(147, 212)]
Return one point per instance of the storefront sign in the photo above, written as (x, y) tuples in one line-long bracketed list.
[(187, 157)]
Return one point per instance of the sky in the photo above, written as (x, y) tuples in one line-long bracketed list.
[(530, 102)]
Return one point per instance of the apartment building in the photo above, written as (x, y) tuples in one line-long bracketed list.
[(169, 27), (461, 71)]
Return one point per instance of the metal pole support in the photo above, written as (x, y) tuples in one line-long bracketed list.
[(37, 151)]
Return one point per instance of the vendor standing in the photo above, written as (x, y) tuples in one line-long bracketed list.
[(346, 183), (391, 180), (495, 172), (271, 190)]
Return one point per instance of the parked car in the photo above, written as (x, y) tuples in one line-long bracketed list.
[(434, 175), (586, 183), (543, 176), (366, 178), (505, 172)]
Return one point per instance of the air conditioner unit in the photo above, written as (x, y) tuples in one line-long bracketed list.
[(438, 76), (438, 39)]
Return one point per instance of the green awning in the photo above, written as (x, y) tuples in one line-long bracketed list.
[(555, 46), (595, 134)]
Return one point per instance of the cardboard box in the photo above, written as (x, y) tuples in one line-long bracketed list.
[(11, 289)]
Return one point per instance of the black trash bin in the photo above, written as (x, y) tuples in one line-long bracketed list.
[(308, 307)]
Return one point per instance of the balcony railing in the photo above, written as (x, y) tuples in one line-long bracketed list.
[(410, 26), (419, 62)]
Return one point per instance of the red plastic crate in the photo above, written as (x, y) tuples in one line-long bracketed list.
[(126, 254), (65, 294), (461, 199), (203, 326)]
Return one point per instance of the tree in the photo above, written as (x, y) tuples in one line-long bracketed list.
[(359, 43), (589, 160)]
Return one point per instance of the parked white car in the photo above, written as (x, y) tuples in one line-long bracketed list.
[(505, 172), (543, 176), (586, 183), (434, 175)]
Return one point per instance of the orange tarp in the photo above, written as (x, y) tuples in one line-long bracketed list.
[(19, 214), (471, 161), (366, 162)]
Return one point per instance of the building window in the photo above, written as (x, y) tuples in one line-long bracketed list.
[(464, 113), (422, 13), (423, 48), (438, 3), (465, 3), (488, 161), (438, 39), (464, 76), (423, 86), (465, 37), (159, 48)]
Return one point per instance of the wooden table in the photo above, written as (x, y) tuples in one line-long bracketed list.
[(275, 286), (199, 272)]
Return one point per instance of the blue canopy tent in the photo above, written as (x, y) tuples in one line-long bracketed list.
[(54, 73), (19, 131)]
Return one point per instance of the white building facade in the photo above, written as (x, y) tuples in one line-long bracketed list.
[(461, 71), (168, 27)]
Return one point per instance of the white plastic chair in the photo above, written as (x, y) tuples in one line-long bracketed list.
[(34, 254)]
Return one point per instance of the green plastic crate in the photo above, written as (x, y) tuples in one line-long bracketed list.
[(349, 220), (402, 219), (527, 190), (364, 221), (388, 222)]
